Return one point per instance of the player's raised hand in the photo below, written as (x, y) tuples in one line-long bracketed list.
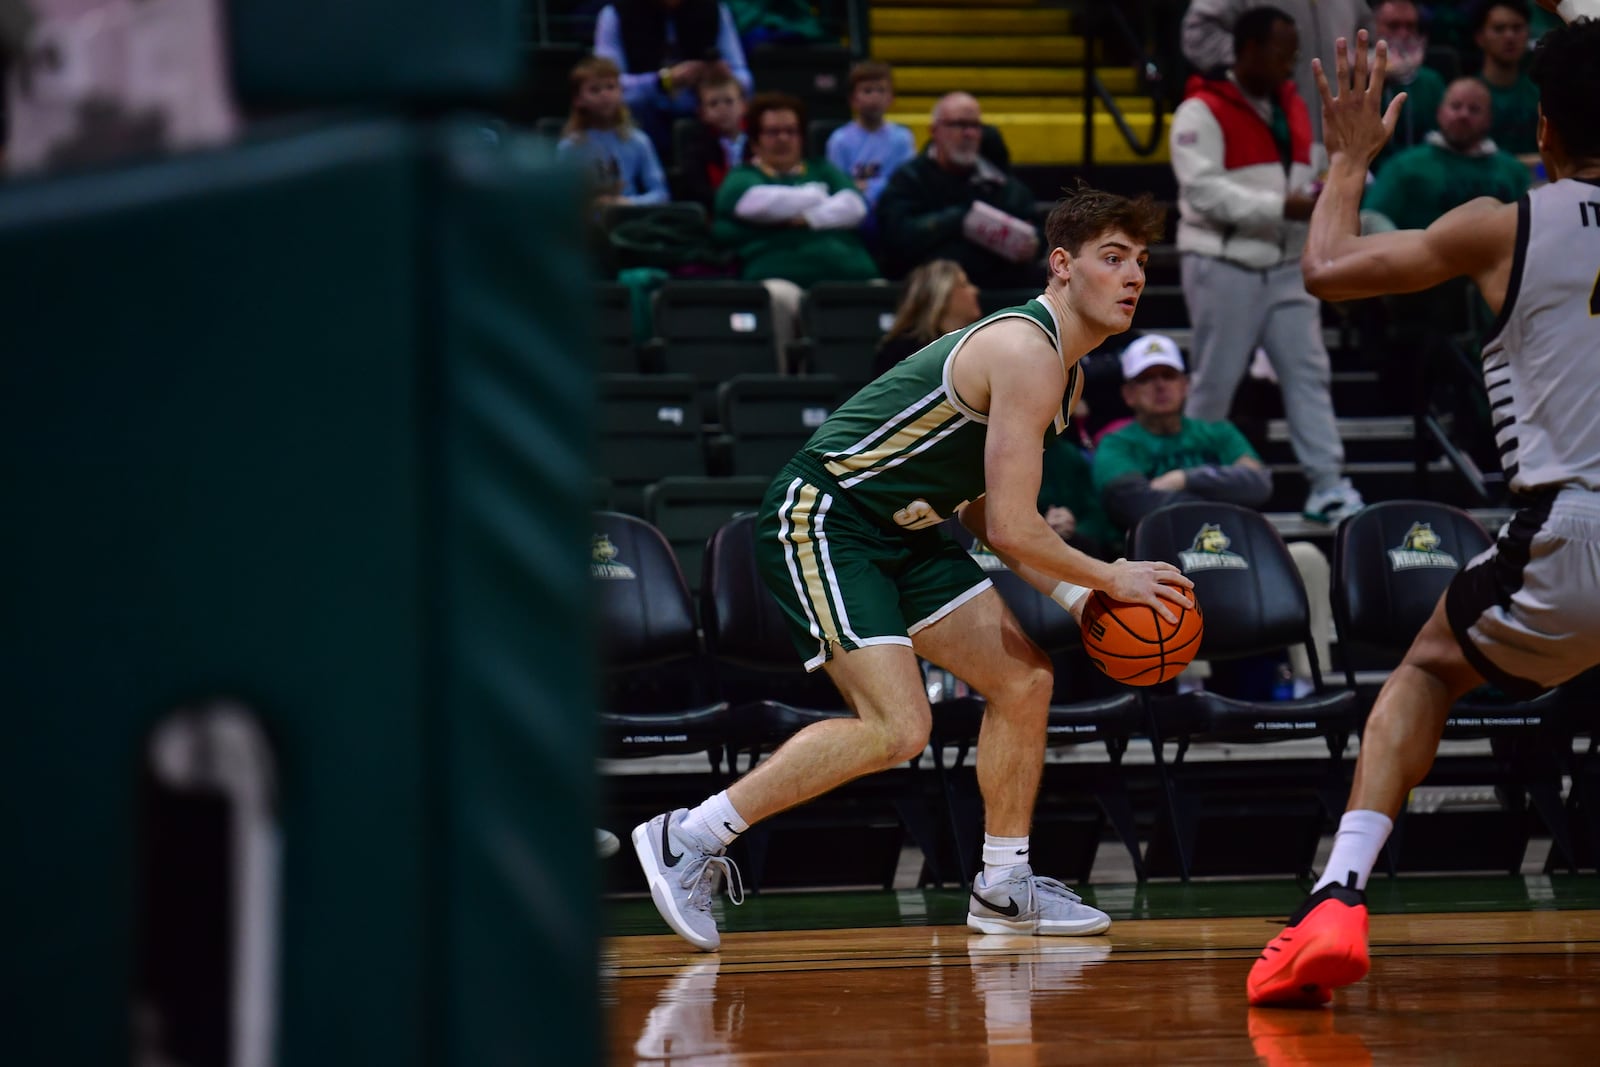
[(1139, 581), (1354, 122)]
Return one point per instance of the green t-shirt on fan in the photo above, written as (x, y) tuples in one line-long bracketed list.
[(1135, 450), (800, 254)]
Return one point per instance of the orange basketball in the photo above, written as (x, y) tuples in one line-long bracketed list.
[(1134, 645)]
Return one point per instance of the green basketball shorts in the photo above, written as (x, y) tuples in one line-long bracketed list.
[(844, 580)]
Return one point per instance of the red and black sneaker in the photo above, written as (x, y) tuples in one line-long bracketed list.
[(1323, 947)]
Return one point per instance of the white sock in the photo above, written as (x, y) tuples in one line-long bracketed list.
[(715, 820), (1002, 856), (1355, 848)]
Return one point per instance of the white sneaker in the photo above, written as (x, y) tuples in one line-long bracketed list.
[(1028, 904), (1337, 502), (684, 876)]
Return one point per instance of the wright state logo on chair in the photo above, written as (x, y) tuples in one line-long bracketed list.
[(1209, 552), (1421, 548)]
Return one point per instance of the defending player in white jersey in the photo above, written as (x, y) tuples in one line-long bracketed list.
[(1525, 616)]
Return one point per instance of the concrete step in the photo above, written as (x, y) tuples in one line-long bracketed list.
[(1183, 337), (1014, 102), (970, 20), (1050, 81), (1048, 49), (1035, 138), (1375, 480)]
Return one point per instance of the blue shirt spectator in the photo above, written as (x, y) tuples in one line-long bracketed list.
[(870, 147)]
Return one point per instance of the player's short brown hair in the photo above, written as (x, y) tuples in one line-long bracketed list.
[(1084, 214)]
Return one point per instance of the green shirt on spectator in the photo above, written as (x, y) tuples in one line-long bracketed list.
[(800, 254), (1422, 183)]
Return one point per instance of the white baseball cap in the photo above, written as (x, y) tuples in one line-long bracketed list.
[(1151, 350)]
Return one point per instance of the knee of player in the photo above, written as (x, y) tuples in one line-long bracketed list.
[(1028, 682), (905, 739)]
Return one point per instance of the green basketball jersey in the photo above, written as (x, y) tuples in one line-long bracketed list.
[(906, 448)]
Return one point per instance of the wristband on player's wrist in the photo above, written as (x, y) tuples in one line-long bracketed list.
[(1067, 595)]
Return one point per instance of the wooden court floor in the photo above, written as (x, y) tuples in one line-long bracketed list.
[(1508, 987)]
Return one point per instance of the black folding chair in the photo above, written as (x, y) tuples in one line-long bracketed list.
[(656, 683), (1391, 563), (1253, 602)]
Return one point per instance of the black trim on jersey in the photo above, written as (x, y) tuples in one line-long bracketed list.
[(1518, 257), (1493, 582)]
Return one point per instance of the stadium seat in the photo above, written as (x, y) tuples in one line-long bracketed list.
[(817, 133), (656, 691), (688, 510), (613, 214), (713, 331), (1391, 562), (1250, 594), (819, 74), (619, 354), (841, 324), (765, 418), (650, 429), (992, 300)]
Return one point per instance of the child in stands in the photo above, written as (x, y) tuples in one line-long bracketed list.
[(600, 133), (870, 147), (718, 145)]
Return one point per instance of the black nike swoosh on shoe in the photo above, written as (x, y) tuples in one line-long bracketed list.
[(1012, 909), (671, 858)]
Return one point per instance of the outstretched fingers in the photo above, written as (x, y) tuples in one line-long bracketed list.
[(1322, 83), (1380, 70), (1391, 117), (1360, 80)]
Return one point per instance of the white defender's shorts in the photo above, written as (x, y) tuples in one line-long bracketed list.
[(1527, 611)]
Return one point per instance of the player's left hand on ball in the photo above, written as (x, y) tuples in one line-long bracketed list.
[(1150, 582)]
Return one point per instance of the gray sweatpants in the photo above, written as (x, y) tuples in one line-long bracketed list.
[(1233, 310)]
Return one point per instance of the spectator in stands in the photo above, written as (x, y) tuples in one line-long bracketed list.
[(601, 134), (869, 148), (791, 222), (1208, 39), (939, 298), (1500, 28), (1401, 26), (665, 49), (1458, 163), (1164, 456), (952, 203), (718, 144), (1241, 150)]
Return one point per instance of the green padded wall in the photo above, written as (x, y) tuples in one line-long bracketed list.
[(302, 423), (518, 392), (366, 51)]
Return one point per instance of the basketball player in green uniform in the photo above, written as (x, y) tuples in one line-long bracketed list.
[(849, 541)]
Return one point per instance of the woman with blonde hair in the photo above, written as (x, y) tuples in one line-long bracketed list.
[(939, 298)]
